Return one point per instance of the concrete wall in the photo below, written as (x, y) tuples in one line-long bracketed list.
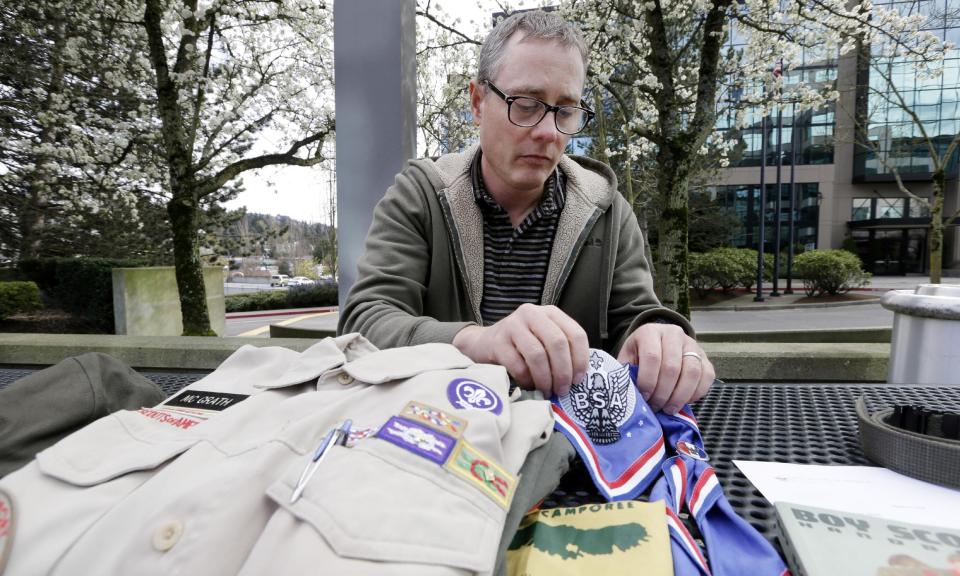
[(146, 301), (735, 361)]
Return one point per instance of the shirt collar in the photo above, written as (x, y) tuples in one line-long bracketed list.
[(551, 201)]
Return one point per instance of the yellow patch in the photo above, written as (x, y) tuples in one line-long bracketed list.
[(611, 538), (480, 470)]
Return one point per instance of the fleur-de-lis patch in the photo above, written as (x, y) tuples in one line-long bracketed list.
[(468, 394)]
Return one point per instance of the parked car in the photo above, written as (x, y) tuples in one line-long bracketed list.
[(279, 280), (299, 281)]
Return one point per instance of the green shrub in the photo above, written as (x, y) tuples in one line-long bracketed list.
[(319, 294), (725, 268), (295, 297), (829, 271), (701, 280), (81, 286), (265, 300), (18, 297)]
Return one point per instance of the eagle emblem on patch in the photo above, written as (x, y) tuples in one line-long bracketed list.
[(604, 400)]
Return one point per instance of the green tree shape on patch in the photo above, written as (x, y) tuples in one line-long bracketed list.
[(569, 542)]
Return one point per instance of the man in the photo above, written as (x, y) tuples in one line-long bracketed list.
[(515, 253)]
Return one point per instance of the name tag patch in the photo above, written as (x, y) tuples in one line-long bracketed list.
[(478, 469), (417, 438), (205, 401), (191, 407), (468, 394), (434, 418)]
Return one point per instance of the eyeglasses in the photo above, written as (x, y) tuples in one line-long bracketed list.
[(526, 112)]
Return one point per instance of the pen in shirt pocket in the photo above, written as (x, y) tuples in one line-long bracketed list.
[(336, 435)]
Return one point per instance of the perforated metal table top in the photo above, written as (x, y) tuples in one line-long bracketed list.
[(793, 423)]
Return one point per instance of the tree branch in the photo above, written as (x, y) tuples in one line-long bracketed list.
[(284, 158)]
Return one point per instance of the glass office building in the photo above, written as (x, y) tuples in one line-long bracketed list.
[(847, 195)]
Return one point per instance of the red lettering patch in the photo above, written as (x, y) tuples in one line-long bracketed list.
[(182, 422)]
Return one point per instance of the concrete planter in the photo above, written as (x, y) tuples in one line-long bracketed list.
[(146, 301), (924, 346)]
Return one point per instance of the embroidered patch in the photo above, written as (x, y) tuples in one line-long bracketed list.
[(692, 450), (207, 401), (481, 471), (467, 394), (358, 434), (434, 418), (603, 401), (417, 438), (171, 418), (6, 528)]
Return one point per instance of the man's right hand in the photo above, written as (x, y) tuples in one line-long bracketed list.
[(540, 346)]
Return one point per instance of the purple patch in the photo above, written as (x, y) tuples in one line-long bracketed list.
[(469, 394), (417, 438)]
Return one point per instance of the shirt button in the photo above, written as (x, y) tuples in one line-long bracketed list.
[(344, 378), (167, 536)]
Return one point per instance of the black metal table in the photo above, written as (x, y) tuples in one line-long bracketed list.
[(791, 423)]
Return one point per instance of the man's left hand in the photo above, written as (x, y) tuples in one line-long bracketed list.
[(668, 375)]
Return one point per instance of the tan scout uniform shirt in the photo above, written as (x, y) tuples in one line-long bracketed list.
[(148, 492)]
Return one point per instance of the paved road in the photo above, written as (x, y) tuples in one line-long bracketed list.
[(260, 325)]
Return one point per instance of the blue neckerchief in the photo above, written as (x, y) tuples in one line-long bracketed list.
[(645, 446), (613, 429)]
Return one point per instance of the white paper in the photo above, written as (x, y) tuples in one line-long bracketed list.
[(868, 490)]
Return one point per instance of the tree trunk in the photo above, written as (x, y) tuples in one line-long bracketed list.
[(935, 239), (184, 213), (184, 207), (672, 278)]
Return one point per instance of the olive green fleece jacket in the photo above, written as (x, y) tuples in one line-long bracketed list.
[(421, 276)]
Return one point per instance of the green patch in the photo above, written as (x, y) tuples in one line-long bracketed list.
[(568, 542)]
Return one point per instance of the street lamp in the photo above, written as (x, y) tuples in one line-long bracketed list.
[(777, 72)]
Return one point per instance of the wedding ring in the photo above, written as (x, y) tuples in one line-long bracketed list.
[(693, 354)]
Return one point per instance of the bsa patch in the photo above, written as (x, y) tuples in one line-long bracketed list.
[(434, 418), (6, 528), (478, 469), (692, 450), (417, 438), (603, 401), (468, 394), (612, 428)]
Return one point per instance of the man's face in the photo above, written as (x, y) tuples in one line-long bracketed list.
[(518, 159)]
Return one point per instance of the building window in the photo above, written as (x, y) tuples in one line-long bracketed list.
[(806, 136), (896, 141), (861, 209), (890, 207), (745, 201)]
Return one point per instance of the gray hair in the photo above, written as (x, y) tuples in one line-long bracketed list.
[(536, 24)]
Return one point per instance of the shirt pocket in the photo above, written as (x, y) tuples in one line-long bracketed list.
[(377, 501), (119, 443)]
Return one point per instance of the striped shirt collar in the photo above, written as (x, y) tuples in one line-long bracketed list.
[(551, 201)]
